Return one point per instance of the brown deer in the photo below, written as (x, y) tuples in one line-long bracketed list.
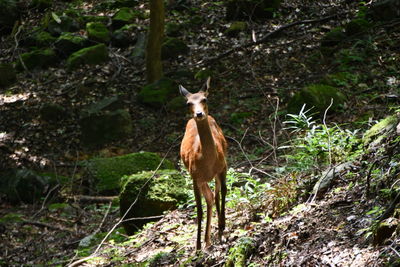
[(203, 151)]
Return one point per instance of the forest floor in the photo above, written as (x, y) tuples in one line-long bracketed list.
[(329, 230)]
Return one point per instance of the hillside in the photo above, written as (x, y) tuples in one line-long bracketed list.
[(313, 185)]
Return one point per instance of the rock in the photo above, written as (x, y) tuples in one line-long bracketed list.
[(40, 58), (158, 93), (357, 26), (385, 230), (139, 50), (41, 5), (7, 75), (318, 96), (379, 132), (173, 47), (240, 252), (173, 29), (333, 37), (104, 127), (328, 176), (69, 43), (52, 112), (124, 36), (65, 24), (40, 39), (9, 14), (89, 18), (90, 55), (176, 104), (235, 28), (253, 9), (155, 195), (98, 32), (107, 172), (384, 10), (23, 185), (123, 17)]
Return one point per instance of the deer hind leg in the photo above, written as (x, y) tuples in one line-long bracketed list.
[(197, 196), (221, 216), (209, 196)]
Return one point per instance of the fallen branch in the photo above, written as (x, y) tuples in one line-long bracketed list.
[(269, 36), (92, 199)]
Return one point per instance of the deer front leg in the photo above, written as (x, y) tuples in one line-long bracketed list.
[(221, 215), (209, 196), (197, 196)]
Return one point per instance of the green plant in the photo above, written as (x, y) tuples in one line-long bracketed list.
[(301, 121)]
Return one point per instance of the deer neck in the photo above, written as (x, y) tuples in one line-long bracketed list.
[(206, 138)]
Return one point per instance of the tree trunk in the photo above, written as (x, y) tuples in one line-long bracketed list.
[(156, 33)]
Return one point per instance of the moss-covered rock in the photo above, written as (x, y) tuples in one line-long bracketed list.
[(8, 14), (124, 36), (52, 112), (333, 37), (318, 96), (7, 75), (173, 47), (357, 26), (90, 18), (90, 55), (123, 17), (159, 92), (104, 127), (98, 32), (385, 230), (173, 29), (107, 172), (254, 9), (154, 195), (39, 39), (69, 43), (40, 58), (235, 28), (61, 24), (238, 255), (377, 133)]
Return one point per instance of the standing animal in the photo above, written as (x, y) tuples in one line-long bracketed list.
[(203, 151)]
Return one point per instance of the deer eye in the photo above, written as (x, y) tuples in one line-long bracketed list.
[(189, 104), (204, 100)]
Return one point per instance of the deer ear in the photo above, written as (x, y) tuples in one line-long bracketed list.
[(183, 91), (206, 86)]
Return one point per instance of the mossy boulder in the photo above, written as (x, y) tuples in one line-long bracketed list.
[(357, 26), (40, 58), (123, 17), (173, 29), (69, 43), (61, 24), (317, 96), (104, 127), (39, 39), (90, 55), (9, 14), (380, 131), (253, 9), (173, 47), (334, 37), (158, 93), (107, 172), (385, 230), (238, 255), (124, 36), (52, 112), (90, 18), (235, 28), (98, 32), (154, 195), (7, 75)]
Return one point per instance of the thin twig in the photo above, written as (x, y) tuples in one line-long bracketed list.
[(327, 132)]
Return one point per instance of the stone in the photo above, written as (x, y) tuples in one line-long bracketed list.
[(69, 43), (40, 39), (235, 28), (327, 178), (106, 173), (104, 127), (40, 58), (66, 24), (380, 131), (90, 55), (239, 253), (385, 230), (173, 47), (333, 37), (158, 93), (9, 14), (318, 97), (357, 26), (384, 10), (173, 29), (90, 18), (123, 17), (7, 75), (139, 49), (253, 9), (154, 195), (52, 112), (98, 32), (124, 36)]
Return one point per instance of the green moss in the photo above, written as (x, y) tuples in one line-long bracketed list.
[(380, 129), (124, 16), (98, 32), (173, 47), (91, 55), (173, 29), (334, 37), (159, 92), (107, 172), (11, 218), (156, 194), (90, 18), (43, 39), (69, 43), (62, 24), (357, 26), (7, 75), (318, 96), (40, 58), (235, 28), (238, 255)]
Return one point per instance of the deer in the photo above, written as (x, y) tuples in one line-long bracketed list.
[(203, 152)]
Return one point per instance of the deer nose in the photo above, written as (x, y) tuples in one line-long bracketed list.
[(199, 114)]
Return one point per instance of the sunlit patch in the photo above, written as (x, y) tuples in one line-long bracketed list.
[(5, 99)]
